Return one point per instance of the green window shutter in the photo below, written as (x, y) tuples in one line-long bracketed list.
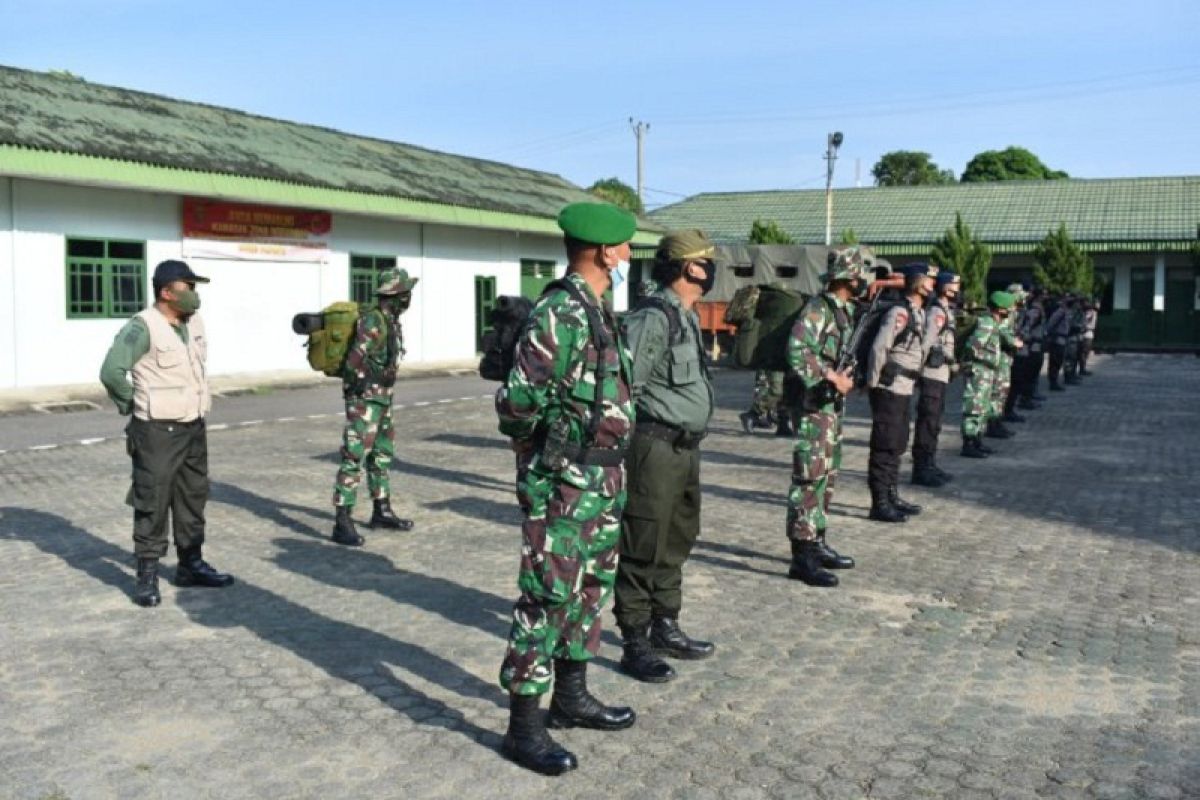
[(485, 301)]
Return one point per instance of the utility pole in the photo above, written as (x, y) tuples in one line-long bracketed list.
[(639, 130), (832, 143)]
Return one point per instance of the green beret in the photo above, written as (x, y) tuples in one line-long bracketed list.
[(690, 245), (597, 223), (1001, 300)]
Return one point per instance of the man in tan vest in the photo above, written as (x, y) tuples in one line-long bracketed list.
[(156, 371)]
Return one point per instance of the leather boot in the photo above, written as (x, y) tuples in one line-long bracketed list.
[(146, 594), (945, 476), (926, 475), (384, 517), (829, 558), (784, 427), (667, 638), (900, 504), (972, 447), (638, 659), (344, 531), (882, 509), (749, 421), (193, 570), (573, 706), (529, 744), (806, 565)]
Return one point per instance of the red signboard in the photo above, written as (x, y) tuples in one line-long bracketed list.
[(211, 219)]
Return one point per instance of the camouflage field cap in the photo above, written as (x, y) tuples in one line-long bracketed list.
[(597, 223), (1001, 300), (690, 245), (1017, 291), (849, 263), (395, 281)]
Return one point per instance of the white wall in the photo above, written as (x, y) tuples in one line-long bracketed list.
[(249, 305)]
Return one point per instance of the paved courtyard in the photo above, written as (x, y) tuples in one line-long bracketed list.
[(1034, 633)]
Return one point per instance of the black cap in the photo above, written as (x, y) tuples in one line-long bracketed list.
[(169, 271)]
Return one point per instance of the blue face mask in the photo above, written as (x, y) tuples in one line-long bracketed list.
[(619, 273)]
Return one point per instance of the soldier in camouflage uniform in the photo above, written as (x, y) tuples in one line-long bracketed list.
[(1006, 331), (980, 361), (367, 379), (817, 400), (567, 407), (1076, 323), (767, 407)]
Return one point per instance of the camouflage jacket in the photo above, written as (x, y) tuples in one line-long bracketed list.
[(818, 338), (373, 357), (983, 345), (552, 386), (1006, 342)]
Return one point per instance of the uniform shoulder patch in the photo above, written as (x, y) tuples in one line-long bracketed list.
[(901, 319)]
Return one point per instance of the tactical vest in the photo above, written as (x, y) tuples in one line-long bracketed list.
[(170, 382)]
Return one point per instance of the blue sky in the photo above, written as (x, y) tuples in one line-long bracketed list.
[(739, 96)]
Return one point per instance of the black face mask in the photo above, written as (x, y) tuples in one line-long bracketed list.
[(706, 283)]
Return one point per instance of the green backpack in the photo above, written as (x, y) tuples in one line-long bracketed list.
[(330, 333), (761, 342)]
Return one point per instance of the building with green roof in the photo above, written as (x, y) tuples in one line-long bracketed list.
[(1140, 232), (95, 182)]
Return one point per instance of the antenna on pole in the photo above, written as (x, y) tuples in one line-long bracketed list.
[(639, 130)]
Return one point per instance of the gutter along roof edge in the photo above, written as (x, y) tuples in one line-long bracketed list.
[(24, 162)]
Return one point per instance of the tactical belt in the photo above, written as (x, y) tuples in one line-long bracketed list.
[(672, 434), (594, 456), (911, 374)]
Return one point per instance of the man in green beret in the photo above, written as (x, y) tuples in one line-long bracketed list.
[(567, 407), (674, 399), (367, 380), (980, 362)]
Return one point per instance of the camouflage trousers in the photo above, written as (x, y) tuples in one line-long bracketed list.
[(568, 568), (368, 436), (977, 400), (768, 393), (816, 458), (1001, 383)]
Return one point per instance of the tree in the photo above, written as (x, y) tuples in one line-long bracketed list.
[(961, 250), (1010, 164), (768, 232), (619, 193), (849, 237), (909, 168), (1060, 266)]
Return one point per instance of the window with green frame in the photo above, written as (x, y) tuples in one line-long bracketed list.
[(106, 278), (364, 276)]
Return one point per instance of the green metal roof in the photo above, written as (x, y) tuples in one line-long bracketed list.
[(1161, 212), (116, 136)]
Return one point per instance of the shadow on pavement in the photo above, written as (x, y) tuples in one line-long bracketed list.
[(481, 509), (466, 440), (344, 651), (269, 509), (433, 473)]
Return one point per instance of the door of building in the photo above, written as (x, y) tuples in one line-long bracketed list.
[(1179, 314), (1141, 307), (485, 301)]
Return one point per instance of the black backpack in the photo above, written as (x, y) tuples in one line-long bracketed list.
[(507, 318), (870, 329), (674, 319)]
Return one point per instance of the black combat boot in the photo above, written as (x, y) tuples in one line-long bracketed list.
[(638, 659), (945, 476), (927, 475), (146, 593), (900, 504), (806, 565), (1028, 405), (193, 570), (344, 531), (882, 509), (829, 558), (996, 430), (750, 421), (784, 426), (972, 448), (529, 744), (667, 638), (573, 706), (1055, 386), (384, 517)]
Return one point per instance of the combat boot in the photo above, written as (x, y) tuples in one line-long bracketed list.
[(193, 570), (829, 558), (1055, 386), (882, 509), (573, 706), (996, 430), (784, 427), (806, 565), (749, 421), (945, 476), (972, 447), (344, 531), (146, 594), (667, 638), (926, 475), (529, 744), (638, 659), (1028, 404), (384, 517), (900, 504)]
